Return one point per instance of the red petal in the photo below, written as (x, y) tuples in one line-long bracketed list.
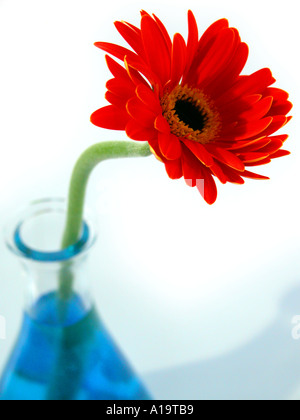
[(178, 59), (218, 172), (244, 131), (139, 112), (110, 117), (135, 131), (144, 13), (252, 175), (192, 42), (155, 149), (200, 152), (174, 168), (148, 97), (209, 35), (272, 147), (258, 110), (230, 112), (218, 55), (248, 85), (119, 102), (259, 163), (115, 68), (278, 94), (281, 108), (281, 137), (169, 145), (232, 176), (226, 157), (117, 51), (230, 73), (134, 75), (164, 32), (133, 27), (280, 153), (257, 145), (132, 37), (162, 125), (142, 68), (252, 157), (191, 167), (210, 189), (197, 175), (277, 122), (121, 87), (204, 45), (156, 49), (250, 146)]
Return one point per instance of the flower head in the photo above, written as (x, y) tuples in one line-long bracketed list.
[(189, 101)]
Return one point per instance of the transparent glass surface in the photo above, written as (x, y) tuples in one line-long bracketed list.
[(63, 351)]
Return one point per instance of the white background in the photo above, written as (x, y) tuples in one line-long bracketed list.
[(200, 298)]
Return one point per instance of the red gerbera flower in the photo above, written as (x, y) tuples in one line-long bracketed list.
[(200, 116)]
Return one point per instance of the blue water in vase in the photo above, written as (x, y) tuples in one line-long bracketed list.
[(73, 360)]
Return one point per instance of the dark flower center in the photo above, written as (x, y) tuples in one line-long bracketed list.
[(190, 114)]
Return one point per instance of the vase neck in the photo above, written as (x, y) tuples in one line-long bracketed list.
[(43, 279), (35, 237)]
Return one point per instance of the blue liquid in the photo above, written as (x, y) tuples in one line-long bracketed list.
[(73, 360)]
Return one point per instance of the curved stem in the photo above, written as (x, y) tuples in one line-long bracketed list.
[(83, 168)]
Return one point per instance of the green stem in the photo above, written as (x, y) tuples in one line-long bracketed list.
[(82, 171)]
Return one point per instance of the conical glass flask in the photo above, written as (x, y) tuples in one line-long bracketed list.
[(63, 351)]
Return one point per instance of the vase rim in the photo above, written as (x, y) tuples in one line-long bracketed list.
[(16, 243)]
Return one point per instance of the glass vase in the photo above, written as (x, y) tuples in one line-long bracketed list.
[(63, 351)]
